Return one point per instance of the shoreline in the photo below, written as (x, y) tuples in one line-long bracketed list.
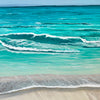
[(54, 94), (17, 83)]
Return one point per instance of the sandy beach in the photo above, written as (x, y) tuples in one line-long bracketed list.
[(54, 94)]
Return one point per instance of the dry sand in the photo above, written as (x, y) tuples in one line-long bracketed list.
[(54, 94)]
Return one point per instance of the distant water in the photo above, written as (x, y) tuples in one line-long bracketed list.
[(50, 40)]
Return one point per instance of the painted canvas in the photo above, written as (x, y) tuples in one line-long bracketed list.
[(50, 50)]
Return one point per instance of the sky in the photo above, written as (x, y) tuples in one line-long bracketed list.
[(48, 2)]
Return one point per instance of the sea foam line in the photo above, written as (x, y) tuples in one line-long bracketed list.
[(16, 83), (61, 87)]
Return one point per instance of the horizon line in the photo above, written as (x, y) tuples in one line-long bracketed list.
[(47, 5)]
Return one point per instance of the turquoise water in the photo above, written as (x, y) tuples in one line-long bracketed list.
[(49, 40)]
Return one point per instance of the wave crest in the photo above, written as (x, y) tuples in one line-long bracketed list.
[(44, 43), (45, 38)]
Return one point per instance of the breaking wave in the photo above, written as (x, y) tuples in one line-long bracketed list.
[(44, 43), (24, 49)]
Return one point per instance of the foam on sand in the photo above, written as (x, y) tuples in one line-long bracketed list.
[(16, 83)]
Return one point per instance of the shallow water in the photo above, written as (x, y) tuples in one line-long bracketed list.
[(49, 40)]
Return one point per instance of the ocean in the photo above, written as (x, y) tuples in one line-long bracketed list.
[(47, 41)]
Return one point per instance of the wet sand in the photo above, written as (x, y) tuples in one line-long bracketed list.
[(15, 83), (54, 94), (60, 87)]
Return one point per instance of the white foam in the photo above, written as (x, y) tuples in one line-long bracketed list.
[(38, 23), (43, 86), (36, 50)]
